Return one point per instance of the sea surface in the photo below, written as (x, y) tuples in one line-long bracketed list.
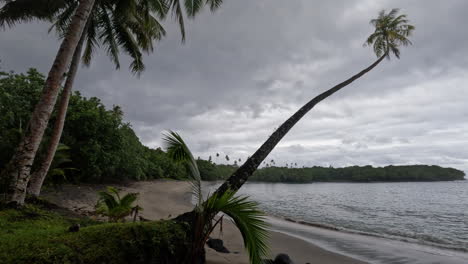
[(424, 217)]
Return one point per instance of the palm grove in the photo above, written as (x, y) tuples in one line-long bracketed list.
[(131, 26)]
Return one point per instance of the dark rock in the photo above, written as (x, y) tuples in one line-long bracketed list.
[(283, 259), (217, 244), (74, 228)]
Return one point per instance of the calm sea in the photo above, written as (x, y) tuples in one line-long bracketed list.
[(431, 213)]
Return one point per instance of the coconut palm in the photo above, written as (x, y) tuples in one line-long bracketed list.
[(118, 30), (244, 213), (113, 206), (134, 31), (18, 169), (391, 32), (107, 23)]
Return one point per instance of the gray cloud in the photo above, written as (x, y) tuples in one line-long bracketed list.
[(248, 66)]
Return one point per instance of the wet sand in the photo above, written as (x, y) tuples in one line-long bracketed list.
[(165, 199)]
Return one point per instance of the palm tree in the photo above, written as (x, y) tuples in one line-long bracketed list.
[(245, 214), (112, 28), (391, 32), (110, 204), (118, 30), (18, 169)]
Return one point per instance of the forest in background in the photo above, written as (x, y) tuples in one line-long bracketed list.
[(104, 148)]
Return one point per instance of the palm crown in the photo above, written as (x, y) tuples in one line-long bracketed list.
[(391, 31), (130, 25)]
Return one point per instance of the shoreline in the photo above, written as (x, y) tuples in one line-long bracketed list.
[(303, 242), (164, 199), (375, 235), (368, 248)]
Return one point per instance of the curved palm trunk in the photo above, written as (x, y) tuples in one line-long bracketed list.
[(240, 176), (37, 177), (18, 169)]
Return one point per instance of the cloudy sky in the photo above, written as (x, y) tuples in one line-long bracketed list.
[(247, 67)]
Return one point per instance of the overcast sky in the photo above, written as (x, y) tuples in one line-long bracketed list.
[(247, 67)]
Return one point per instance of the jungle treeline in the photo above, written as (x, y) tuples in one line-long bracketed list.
[(210, 171)]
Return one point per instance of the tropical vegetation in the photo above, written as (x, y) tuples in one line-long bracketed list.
[(115, 207), (244, 213), (39, 234), (128, 24), (367, 173), (102, 147)]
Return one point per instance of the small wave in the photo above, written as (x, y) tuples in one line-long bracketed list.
[(416, 239)]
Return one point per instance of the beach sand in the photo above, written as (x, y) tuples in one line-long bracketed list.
[(163, 199)]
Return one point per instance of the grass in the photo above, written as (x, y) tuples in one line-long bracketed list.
[(34, 234)]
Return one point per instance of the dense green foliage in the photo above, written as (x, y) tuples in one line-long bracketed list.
[(346, 174), (102, 146), (148, 242)]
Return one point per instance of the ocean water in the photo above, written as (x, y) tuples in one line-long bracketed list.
[(423, 213)]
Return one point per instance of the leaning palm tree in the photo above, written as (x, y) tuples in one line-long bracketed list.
[(133, 30), (115, 34), (18, 169), (63, 12), (391, 32), (244, 213)]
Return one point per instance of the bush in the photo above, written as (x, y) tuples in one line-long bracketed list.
[(31, 235)]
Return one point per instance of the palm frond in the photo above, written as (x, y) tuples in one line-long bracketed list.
[(107, 36), (128, 199), (127, 41), (391, 31), (91, 40), (214, 4), (248, 219), (113, 191), (111, 205), (19, 11), (159, 7), (192, 7), (179, 16), (178, 151), (63, 19)]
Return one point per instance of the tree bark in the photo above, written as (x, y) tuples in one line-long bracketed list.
[(240, 176), (37, 177), (19, 167)]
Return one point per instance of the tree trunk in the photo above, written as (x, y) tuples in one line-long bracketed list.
[(37, 177), (19, 167), (240, 176)]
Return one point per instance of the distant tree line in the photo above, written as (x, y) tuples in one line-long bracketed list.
[(347, 174)]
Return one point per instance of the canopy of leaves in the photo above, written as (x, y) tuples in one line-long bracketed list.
[(391, 32)]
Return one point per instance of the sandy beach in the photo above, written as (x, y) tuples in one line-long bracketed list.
[(166, 199)]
